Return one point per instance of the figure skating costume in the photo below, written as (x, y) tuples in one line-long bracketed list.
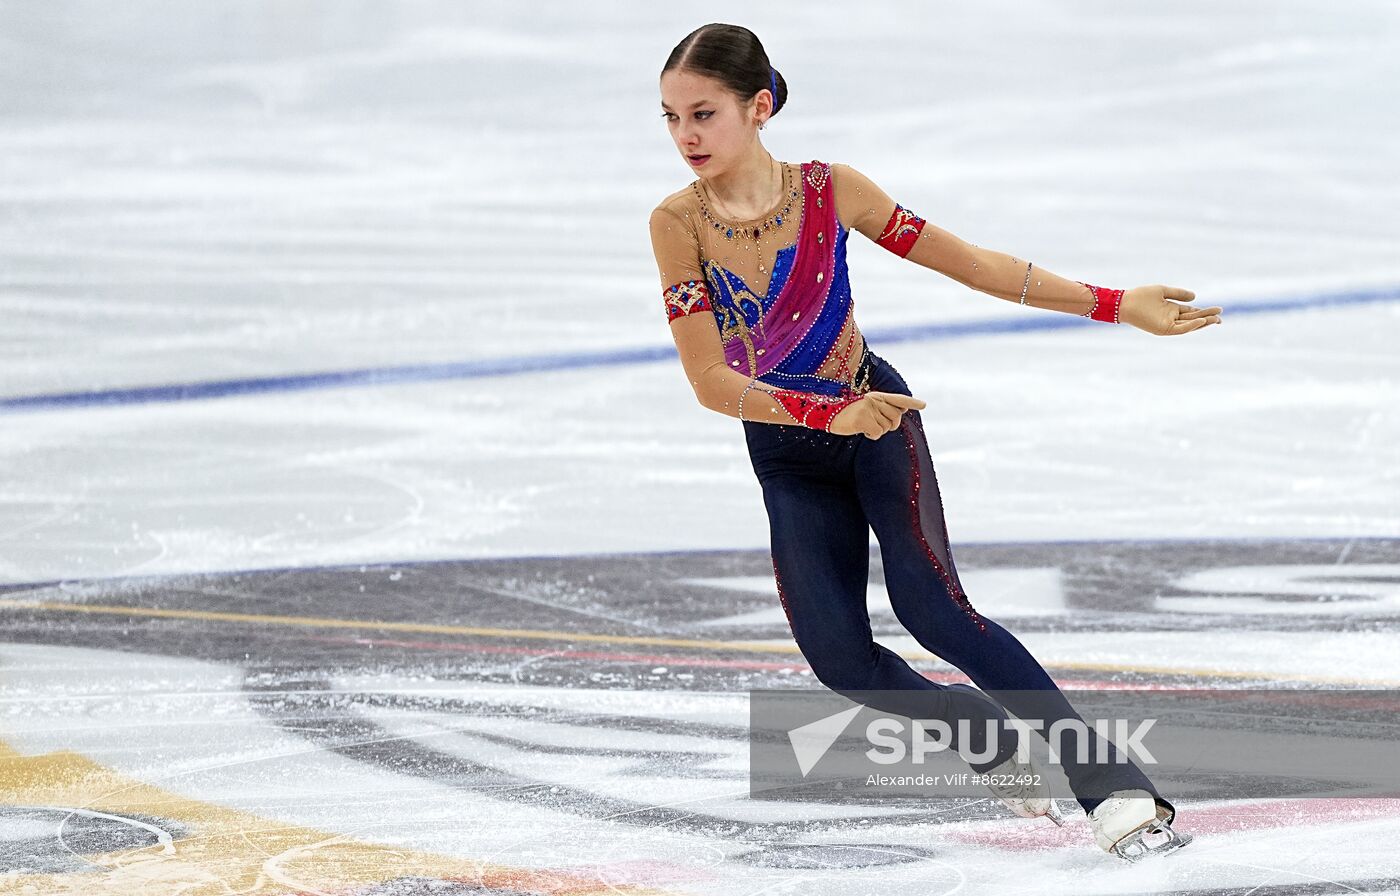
[(780, 297)]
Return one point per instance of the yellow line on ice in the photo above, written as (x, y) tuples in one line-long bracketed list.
[(430, 628), (218, 850), (427, 628)]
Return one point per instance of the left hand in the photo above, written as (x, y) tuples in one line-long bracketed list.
[(1151, 308)]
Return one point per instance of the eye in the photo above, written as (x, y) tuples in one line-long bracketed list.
[(706, 114)]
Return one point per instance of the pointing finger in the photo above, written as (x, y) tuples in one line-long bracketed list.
[(906, 402)]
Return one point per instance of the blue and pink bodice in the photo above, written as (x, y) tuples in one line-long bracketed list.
[(785, 334)]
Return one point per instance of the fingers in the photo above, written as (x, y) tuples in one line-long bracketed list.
[(876, 422), (885, 409), (1188, 318), (885, 414), (1186, 326), (907, 402)]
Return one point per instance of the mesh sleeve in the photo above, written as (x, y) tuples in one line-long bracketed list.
[(872, 212), (683, 288)]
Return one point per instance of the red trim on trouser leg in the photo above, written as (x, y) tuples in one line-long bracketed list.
[(954, 590), (782, 598)]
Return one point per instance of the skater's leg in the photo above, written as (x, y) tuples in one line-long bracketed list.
[(821, 563), (899, 494)]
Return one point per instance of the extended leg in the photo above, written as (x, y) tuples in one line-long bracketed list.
[(821, 562), (899, 493)]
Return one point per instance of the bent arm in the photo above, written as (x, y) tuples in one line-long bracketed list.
[(893, 227), (717, 386)]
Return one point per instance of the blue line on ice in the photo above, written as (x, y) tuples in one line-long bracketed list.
[(419, 373)]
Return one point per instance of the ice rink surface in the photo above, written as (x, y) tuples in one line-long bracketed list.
[(360, 533)]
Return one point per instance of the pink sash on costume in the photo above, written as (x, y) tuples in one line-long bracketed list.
[(803, 297)]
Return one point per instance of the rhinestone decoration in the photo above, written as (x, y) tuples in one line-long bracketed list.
[(954, 591), (782, 597), (730, 230), (901, 232), (686, 297)]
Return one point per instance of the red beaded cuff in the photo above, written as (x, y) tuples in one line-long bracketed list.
[(1106, 303), (811, 410), (686, 297), (901, 231)]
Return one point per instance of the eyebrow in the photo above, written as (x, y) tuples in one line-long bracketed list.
[(692, 105)]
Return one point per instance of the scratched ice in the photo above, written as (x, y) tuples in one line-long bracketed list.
[(360, 533)]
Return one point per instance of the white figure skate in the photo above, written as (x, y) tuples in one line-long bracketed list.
[(1019, 792), (1131, 825)]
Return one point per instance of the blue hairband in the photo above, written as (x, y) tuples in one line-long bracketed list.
[(773, 77)]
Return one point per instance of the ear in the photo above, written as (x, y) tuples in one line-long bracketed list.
[(763, 110)]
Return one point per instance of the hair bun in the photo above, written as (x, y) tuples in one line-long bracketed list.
[(732, 55)]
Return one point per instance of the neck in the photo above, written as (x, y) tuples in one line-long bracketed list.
[(748, 184)]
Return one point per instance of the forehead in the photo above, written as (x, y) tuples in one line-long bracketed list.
[(685, 90)]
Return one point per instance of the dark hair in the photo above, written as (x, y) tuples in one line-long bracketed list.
[(732, 55)]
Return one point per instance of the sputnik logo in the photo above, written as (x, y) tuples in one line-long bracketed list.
[(811, 741)]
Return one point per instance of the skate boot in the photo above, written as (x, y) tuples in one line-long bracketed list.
[(1131, 825), (1019, 792)]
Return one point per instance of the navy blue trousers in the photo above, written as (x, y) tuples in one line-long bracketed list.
[(824, 493)]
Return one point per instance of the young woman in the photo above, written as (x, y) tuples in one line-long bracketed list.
[(752, 257)]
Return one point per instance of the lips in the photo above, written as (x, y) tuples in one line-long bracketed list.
[(697, 160)]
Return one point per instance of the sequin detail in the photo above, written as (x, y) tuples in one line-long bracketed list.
[(812, 411), (731, 231), (782, 596), (901, 231), (686, 297), (1107, 303), (783, 335), (954, 590)]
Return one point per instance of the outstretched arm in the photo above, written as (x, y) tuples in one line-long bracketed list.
[(892, 226)]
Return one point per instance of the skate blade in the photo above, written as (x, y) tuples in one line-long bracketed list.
[(1154, 840), (1055, 815)]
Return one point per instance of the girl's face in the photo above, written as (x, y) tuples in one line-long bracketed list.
[(706, 121)]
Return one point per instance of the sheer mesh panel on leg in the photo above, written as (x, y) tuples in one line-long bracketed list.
[(926, 508), (782, 596)]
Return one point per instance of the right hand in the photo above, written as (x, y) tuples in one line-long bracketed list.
[(875, 414)]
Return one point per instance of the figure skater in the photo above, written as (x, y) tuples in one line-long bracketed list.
[(752, 257)]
